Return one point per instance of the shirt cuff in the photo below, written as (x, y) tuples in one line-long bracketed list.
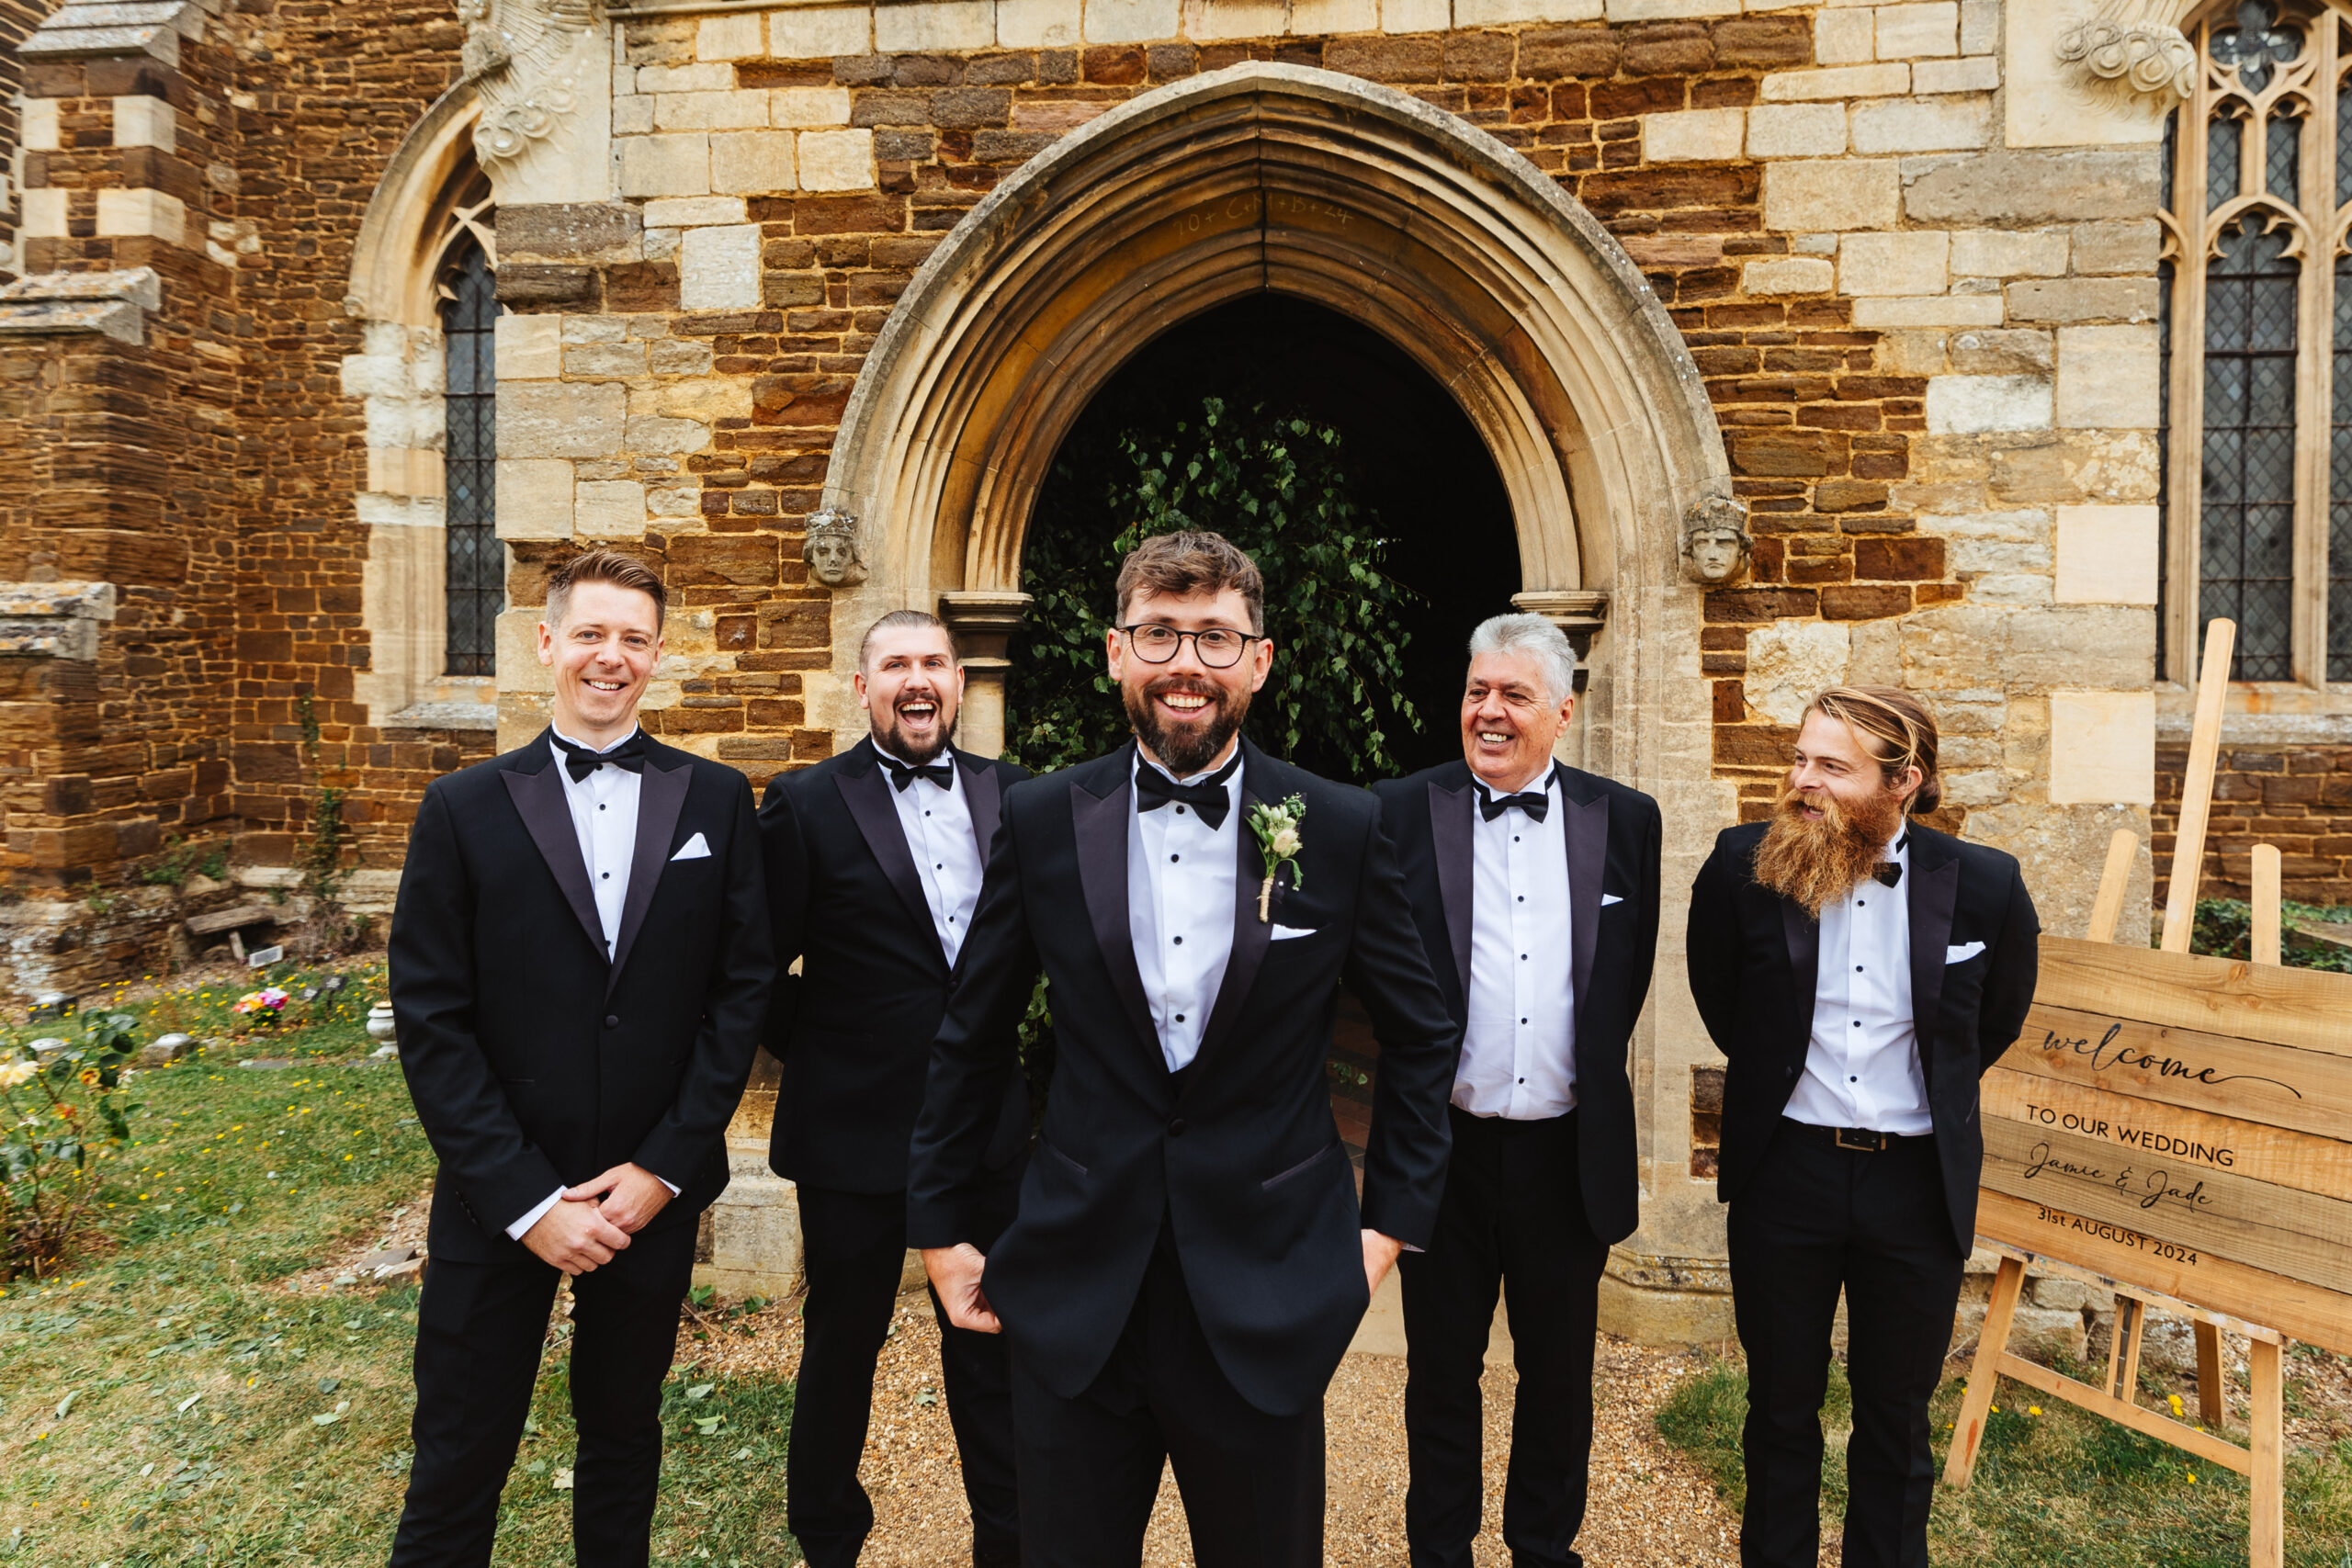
[(517, 1229), (673, 1187)]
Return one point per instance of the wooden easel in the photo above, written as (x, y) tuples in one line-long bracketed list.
[(2263, 1461)]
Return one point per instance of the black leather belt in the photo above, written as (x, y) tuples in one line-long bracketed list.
[(1863, 1139)]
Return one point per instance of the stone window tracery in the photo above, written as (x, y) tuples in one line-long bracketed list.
[(2255, 302)]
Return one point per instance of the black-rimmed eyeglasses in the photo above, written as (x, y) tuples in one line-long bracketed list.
[(1215, 648)]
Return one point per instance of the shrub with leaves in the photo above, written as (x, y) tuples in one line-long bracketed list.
[(61, 1109), (1277, 485)]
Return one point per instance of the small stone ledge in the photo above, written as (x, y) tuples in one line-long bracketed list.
[(445, 716), (54, 620), (112, 304), (91, 29)]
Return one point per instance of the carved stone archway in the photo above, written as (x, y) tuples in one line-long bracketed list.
[(1306, 181)]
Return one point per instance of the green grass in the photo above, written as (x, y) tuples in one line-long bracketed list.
[(2062, 1489), (218, 1415)]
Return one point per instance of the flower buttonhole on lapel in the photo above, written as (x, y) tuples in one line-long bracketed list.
[(1278, 846)]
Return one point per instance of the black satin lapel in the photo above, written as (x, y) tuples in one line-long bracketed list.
[(986, 800), (538, 800), (1100, 823), (868, 796), (1251, 937), (1804, 962), (1934, 891), (659, 800), (1588, 837), (1449, 833)]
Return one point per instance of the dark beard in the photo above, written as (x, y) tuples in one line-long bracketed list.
[(1815, 863), (891, 735), (1184, 752)]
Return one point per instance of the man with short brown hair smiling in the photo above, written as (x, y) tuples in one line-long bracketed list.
[(578, 966), (1860, 970), (1189, 1260)]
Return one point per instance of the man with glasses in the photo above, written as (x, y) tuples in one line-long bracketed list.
[(1189, 1258)]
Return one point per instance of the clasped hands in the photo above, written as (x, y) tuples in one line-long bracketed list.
[(595, 1219), (955, 1274)]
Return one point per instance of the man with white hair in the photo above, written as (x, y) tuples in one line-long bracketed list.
[(1535, 885)]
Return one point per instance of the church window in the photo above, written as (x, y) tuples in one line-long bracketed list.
[(476, 582)]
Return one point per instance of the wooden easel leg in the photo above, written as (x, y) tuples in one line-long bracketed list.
[(1968, 1428), (2124, 1332), (2267, 1528), (2212, 1394), (2128, 1381)]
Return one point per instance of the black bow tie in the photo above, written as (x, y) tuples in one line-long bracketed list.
[(940, 774), (1534, 802), (1155, 789), (581, 761), (1888, 874)]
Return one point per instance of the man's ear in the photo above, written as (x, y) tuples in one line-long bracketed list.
[(547, 644)]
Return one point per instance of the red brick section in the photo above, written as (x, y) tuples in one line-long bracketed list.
[(2296, 798)]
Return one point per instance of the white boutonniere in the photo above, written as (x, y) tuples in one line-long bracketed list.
[(1279, 843)]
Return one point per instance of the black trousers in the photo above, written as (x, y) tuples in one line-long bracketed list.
[(856, 1246), (480, 1328), (1815, 1218), (1091, 1466), (1512, 1219)]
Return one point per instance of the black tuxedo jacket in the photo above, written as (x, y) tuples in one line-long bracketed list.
[(1754, 969), (1245, 1163), (1612, 847), (534, 1061), (854, 1030)]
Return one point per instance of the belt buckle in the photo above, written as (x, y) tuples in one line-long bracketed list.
[(1867, 1141)]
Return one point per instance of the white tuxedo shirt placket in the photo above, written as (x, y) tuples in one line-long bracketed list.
[(1861, 1068), (1519, 1040), (938, 826), (1181, 875)]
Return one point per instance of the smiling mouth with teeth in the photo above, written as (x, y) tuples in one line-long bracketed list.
[(1185, 702), (595, 686)]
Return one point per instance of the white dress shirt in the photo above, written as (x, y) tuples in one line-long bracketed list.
[(603, 813), (1862, 1066), (1181, 877), (938, 825), (1518, 1043)]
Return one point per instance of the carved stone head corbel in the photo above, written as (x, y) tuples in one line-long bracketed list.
[(1715, 541), (832, 549)]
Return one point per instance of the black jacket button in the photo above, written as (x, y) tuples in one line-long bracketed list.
[(611, 1021), (1176, 1128)]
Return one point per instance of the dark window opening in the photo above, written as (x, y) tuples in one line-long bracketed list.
[(475, 586)]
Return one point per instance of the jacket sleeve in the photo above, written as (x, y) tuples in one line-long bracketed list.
[(735, 1006), (1420, 1046), (434, 986), (2013, 969), (974, 1056), (786, 856), (1710, 947), (1651, 847)]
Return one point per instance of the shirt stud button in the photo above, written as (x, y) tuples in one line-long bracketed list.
[(1179, 1017), (607, 876), (1179, 941), (1174, 859)]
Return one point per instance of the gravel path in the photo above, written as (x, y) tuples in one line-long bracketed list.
[(1650, 1508)]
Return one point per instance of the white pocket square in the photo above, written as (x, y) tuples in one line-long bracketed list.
[(692, 849), (1284, 933), (1609, 899), (1963, 955)]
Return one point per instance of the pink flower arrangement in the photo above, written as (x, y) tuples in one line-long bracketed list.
[(265, 1005)]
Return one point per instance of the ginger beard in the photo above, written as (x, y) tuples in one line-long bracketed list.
[(1816, 860), (1187, 746)]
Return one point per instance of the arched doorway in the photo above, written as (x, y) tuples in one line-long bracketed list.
[(1275, 178)]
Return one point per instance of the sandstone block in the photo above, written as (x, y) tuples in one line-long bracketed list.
[(710, 78), (2018, 351), (1895, 262), (1416, 16), (556, 419), (2121, 246), (752, 162), (1995, 253), (709, 111), (1789, 662), (1319, 17), (37, 125), (1970, 405), (610, 509), (632, 115), (1980, 26), (1832, 193), (1563, 52), (568, 231), (1836, 82), (142, 121), (1981, 74), (2106, 648), (1787, 274), (1693, 135), (2084, 299), (664, 165), (1844, 37), (2108, 378), (529, 348), (2012, 190), (819, 32), (679, 356), (729, 37), (1922, 125), (836, 160), (2103, 747), (704, 400), (935, 24), (1934, 311), (718, 268), (808, 106), (604, 361), (43, 210), (1496, 13), (1209, 20), (1131, 21), (1039, 24), (679, 500), (2108, 554), (535, 497), (1906, 31), (692, 211), (654, 434), (154, 213), (1669, 10), (1797, 130)]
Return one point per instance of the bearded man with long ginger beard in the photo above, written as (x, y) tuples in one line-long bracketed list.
[(1860, 970)]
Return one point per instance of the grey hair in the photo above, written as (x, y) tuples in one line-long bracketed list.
[(1534, 635)]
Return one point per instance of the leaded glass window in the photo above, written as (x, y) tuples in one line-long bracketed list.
[(475, 561)]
